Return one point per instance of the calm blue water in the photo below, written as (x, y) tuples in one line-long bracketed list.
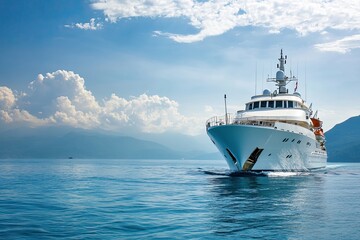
[(167, 199)]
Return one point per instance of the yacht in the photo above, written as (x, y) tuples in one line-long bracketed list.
[(277, 131)]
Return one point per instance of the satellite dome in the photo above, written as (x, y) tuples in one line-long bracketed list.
[(280, 75), (266, 92)]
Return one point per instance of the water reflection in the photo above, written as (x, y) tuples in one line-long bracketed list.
[(260, 206)]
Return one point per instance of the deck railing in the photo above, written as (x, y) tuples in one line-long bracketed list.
[(229, 119), (220, 120)]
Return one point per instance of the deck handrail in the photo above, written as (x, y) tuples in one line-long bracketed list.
[(231, 120)]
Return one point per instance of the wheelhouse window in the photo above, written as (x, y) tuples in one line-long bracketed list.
[(250, 106), (271, 104), (256, 105), (290, 104), (279, 104), (263, 104), (285, 104)]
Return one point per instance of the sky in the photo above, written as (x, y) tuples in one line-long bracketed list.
[(163, 66)]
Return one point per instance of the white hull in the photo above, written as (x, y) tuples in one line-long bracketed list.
[(285, 147), (275, 132)]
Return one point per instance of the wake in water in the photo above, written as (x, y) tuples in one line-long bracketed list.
[(262, 173), (233, 174), (331, 169)]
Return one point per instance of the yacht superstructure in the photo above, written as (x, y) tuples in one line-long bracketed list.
[(276, 131)]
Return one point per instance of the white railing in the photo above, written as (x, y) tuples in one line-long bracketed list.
[(219, 120), (231, 120)]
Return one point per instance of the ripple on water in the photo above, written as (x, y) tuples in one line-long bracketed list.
[(166, 199)]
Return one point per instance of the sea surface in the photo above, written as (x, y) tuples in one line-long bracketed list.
[(174, 199)]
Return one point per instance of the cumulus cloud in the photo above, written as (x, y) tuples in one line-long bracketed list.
[(7, 98), (342, 46), (49, 87), (61, 98), (92, 25), (10, 113), (22, 118), (149, 114), (213, 18)]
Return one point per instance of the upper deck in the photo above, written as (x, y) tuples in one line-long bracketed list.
[(268, 108), (275, 101)]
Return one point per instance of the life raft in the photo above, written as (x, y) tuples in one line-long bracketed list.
[(316, 122)]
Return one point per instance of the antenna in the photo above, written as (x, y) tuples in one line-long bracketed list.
[(316, 113), (255, 77), (281, 79), (305, 85), (262, 78), (297, 69), (226, 117)]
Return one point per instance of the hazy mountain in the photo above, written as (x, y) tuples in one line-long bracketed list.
[(181, 142), (50, 143), (343, 141), (76, 143)]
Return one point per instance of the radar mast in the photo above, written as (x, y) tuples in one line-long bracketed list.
[(281, 79)]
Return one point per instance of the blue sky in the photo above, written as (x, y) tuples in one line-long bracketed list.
[(163, 66)]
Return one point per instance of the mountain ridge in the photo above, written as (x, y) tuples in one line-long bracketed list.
[(81, 144), (343, 141)]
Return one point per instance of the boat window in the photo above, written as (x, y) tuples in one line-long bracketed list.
[(271, 104), (263, 104), (290, 104), (295, 104), (247, 106), (285, 104), (256, 105), (279, 104), (250, 106)]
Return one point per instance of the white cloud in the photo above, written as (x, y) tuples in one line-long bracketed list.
[(10, 113), (149, 114), (49, 87), (61, 98), (68, 114), (342, 46), (115, 10), (216, 17), (7, 98), (92, 25)]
